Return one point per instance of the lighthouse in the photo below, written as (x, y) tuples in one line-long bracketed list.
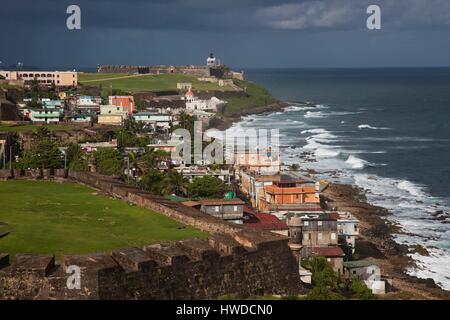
[(211, 61)]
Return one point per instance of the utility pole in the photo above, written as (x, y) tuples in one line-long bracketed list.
[(10, 157), (4, 156)]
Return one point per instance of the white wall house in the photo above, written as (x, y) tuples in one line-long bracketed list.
[(88, 101), (157, 119), (348, 230), (368, 271), (194, 103)]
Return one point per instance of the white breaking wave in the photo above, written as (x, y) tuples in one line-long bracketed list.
[(317, 130), (315, 114), (320, 114), (355, 162), (366, 126), (411, 188), (299, 108), (326, 153)]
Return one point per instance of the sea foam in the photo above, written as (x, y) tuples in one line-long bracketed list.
[(366, 126)]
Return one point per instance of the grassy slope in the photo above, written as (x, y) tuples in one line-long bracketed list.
[(48, 217), (31, 127), (136, 83), (257, 97)]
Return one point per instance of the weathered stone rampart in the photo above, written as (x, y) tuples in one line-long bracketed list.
[(233, 260)]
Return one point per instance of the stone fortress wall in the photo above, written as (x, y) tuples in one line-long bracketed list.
[(233, 260)]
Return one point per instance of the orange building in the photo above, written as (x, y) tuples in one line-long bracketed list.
[(289, 194), (126, 102)]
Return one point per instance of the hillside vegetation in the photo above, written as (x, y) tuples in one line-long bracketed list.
[(257, 97)]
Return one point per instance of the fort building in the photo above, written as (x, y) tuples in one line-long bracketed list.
[(45, 78)]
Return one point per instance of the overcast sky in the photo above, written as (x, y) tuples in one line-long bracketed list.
[(242, 33)]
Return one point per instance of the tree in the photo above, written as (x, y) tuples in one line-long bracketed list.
[(152, 181), (52, 92), (174, 183), (41, 133), (324, 280), (109, 161), (360, 290), (163, 184), (152, 159), (323, 293), (45, 154), (35, 89), (76, 160), (207, 187), (128, 138), (186, 121), (294, 167)]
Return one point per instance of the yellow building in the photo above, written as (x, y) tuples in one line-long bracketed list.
[(45, 78), (110, 119)]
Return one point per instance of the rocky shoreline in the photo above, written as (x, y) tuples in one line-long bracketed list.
[(224, 122), (376, 241)]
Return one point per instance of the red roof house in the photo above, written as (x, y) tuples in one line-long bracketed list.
[(263, 221), (126, 102)]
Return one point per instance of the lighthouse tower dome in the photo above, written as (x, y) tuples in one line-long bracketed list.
[(211, 61)]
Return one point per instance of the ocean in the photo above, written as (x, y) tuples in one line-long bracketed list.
[(385, 130)]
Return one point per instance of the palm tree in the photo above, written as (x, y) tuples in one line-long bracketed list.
[(151, 160), (41, 133), (174, 183)]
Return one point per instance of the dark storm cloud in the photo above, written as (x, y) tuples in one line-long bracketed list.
[(279, 33), (232, 15)]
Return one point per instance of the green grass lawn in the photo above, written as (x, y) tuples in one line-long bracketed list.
[(50, 217), (94, 77), (148, 82), (31, 127)]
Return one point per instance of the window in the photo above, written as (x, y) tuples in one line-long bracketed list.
[(319, 223), (235, 208), (333, 236), (319, 236), (216, 208), (306, 223), (354, 271)]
